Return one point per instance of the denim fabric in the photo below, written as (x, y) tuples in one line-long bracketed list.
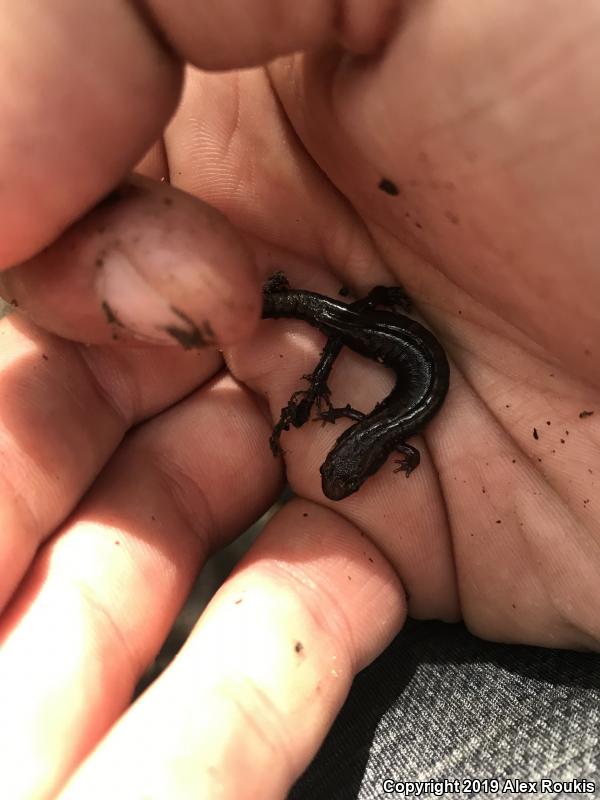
[(441, 704)]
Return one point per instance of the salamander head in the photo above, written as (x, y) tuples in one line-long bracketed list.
[(347, 467)]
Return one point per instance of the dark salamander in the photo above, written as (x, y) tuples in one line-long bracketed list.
[(391, 339)]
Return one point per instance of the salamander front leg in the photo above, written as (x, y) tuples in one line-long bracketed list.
[(335, 413), (411, 460)]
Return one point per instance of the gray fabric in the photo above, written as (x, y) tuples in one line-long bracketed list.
[(442, 704)]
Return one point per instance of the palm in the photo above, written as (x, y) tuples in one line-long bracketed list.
[(512, 514)]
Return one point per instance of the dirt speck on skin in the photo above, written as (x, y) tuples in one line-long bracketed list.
[(238, 601), (388, 186), (190, 337), (584, 414), (187, 339), (208, 331), (298, 647), (535, 434), (110, 315)]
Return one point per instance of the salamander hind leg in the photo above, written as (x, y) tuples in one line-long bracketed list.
[(411, 460), (300, 404), (296, 413), (388, 297)]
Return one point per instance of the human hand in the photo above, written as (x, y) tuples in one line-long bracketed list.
[(231, 712)]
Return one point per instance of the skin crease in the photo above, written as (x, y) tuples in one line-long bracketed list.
[(486, 124)]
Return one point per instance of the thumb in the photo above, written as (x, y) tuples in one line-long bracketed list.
[(149, 264)]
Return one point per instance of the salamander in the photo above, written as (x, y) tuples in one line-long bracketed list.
[(389, 338)]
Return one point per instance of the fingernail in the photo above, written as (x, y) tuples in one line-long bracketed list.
[(130, 303)]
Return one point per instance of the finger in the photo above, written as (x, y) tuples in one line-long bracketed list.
[(248, 701), (148, 264), (85, 92), (63, 411), (406, 518), (221, 35), (69, 134), (102, 595)]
